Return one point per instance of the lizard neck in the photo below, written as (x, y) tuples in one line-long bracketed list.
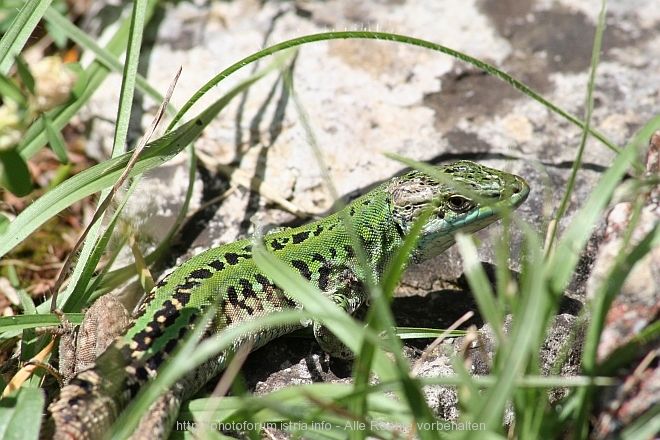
[(378, 232)]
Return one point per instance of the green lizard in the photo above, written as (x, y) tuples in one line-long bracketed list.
[(227, 275)]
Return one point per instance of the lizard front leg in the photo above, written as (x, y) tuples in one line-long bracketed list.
[(349, 295)]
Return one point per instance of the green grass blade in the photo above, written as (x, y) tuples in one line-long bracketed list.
[(480, 286), (384, 36), (10, 90), (14, 173), (589, 105), (523, 340), (562, 262), (129, 76), (21, 414), (90, 248), (105, 174), (422, 333), (625, 354), (21, 322), (646, 426), (35, 137), (88, 182), (80, 289), (102, 55), (19, 31), (25, 75), (347, 330), (55, 140), (189, 354)]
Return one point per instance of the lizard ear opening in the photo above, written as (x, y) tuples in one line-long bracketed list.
[(399, 229)]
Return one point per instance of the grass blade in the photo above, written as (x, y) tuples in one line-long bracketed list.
[(19, 31)]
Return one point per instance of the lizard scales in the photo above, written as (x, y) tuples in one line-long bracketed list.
[(321, 252)]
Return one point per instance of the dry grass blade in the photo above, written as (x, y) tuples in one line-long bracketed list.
[(24, 373), (438, 341), (103, 206)]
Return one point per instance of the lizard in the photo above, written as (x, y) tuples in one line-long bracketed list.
[(322, 252)]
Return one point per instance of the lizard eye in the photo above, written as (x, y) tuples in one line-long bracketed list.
[(459, 203)]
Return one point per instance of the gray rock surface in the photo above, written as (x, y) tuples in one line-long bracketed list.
[(634, 309)]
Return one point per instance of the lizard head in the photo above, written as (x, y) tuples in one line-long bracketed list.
[(465, 197)]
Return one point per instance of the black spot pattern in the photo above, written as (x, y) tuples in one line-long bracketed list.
[(232, 295), (217, 265), (142, 376), (140, 339), (182, 297), (86, 385), (300, 237), (350, 252), (318, 230), (171, 313), (324, 277), (201, 274), (276, 245), (189, 284), (303, 268), (265, 282), (170, 318), (324, 271), (233, 258), (333, 252), (248, 291), (154, 362), (161, 283), (172, 343)]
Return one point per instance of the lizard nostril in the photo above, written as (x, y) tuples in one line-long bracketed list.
[(517, 187)]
